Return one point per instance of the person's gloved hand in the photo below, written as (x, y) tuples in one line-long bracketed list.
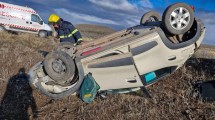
[(78, 42)]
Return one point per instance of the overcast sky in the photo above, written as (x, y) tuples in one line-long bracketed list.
[(117, 14)]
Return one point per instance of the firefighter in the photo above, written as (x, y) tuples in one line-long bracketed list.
[(66, 31)]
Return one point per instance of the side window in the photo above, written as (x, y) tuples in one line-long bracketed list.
[(35, 18)]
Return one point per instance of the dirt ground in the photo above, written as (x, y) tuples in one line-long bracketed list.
[(172, 98)]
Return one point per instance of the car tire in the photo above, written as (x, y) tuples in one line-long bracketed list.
[(43, 34), (33, 79), (2, 29), (150, 16), (59, 66), (178, 18)]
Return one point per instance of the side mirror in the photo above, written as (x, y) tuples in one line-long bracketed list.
[(41, 22)]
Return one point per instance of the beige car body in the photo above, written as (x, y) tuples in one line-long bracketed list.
[(123, 59)]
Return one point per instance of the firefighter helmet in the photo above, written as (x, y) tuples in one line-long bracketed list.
[(53, 18)]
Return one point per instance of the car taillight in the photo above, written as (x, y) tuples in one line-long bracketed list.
[(91, 51), (192, 8)]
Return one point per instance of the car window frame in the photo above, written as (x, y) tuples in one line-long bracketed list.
[(38, 18)]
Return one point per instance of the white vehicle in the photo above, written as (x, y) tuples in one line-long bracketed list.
[(22, 19)]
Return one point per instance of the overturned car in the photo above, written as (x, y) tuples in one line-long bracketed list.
[(126, 60)]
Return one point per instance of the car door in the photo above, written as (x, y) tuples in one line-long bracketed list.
[(151, 58), (112, 69), (35, 23)]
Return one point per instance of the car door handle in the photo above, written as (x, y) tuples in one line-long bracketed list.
[(172, 58), (131, 80)]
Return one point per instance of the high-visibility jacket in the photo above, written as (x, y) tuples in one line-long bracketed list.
[(68, 33)]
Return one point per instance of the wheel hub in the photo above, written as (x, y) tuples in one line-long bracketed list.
[(58, 66), (180, 18)]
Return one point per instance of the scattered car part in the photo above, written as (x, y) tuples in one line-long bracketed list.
[(89, 88), (206, 90)]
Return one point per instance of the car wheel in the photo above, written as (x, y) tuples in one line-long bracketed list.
[(60, 67), (178, 18), (150, 16), (2, 29), (42, 34), (36, 81)]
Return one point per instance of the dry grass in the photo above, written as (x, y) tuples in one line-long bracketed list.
[(94, 31), (206, 51), (172, 98), (25, 39), (18, 51)]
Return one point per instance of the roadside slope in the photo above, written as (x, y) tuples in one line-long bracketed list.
[(172, 98)]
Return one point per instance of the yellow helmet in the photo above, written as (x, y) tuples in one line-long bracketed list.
[(53, 18)]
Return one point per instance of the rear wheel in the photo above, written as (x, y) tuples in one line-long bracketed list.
[(43, 34), (178, 18), (2, 29), (150, 16), (60, 67)]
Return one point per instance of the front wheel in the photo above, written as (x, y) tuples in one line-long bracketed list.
[(43, 34)]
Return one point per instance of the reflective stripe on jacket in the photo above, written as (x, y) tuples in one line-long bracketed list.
[(67, 32)]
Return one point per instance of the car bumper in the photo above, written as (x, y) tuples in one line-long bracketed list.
[(49, 33)]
